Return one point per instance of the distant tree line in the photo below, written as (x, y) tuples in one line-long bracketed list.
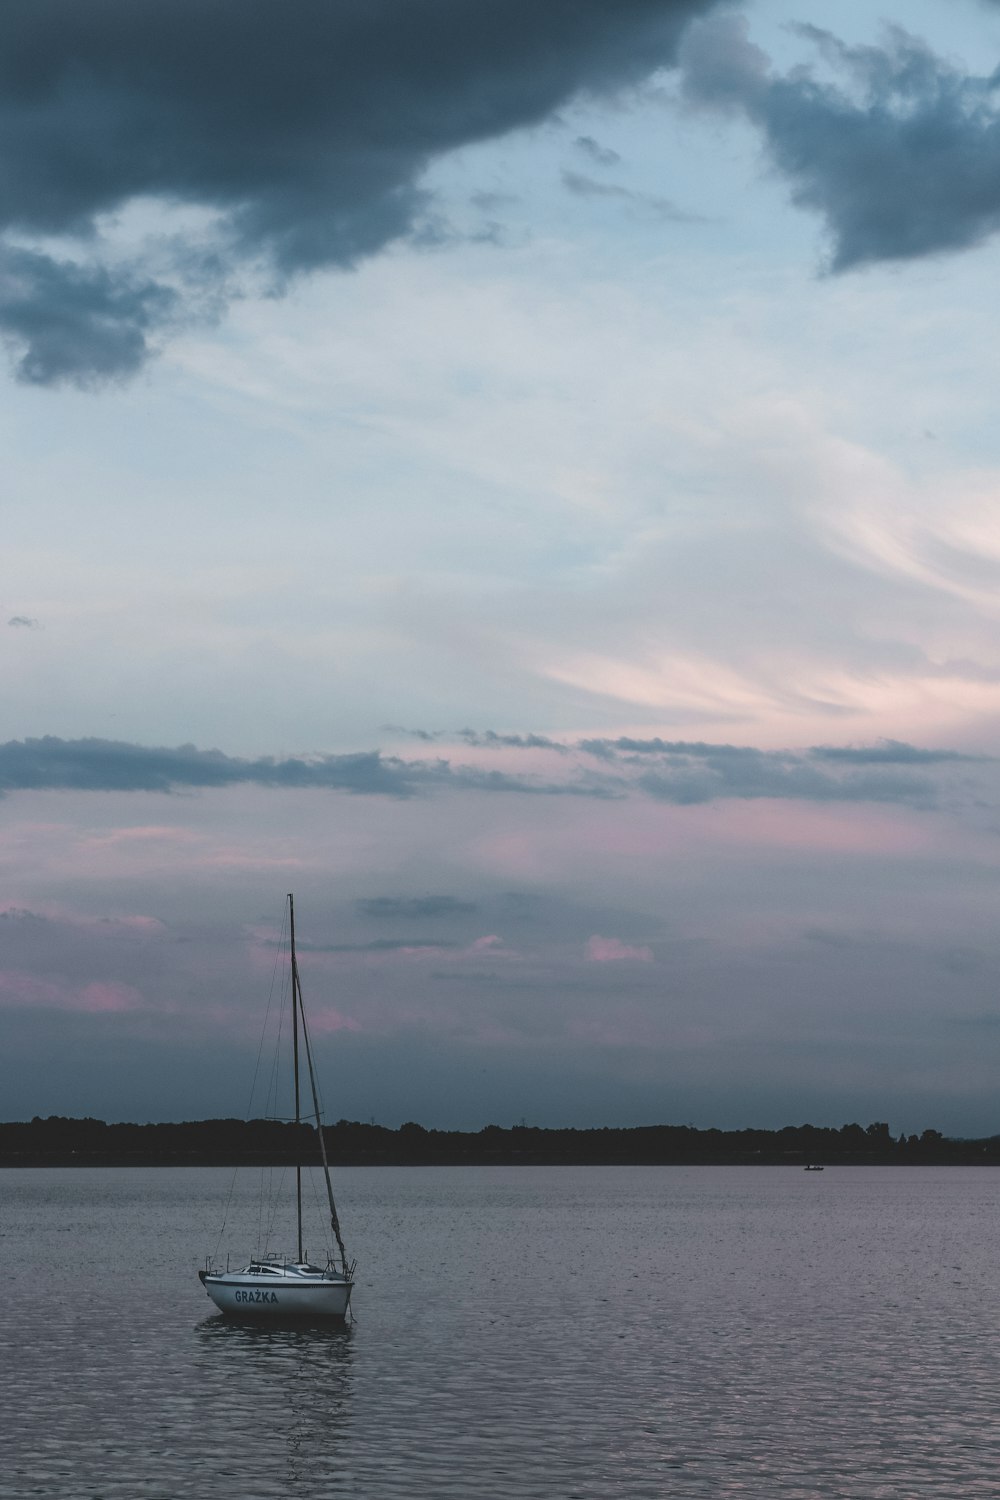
[(58, 1141)]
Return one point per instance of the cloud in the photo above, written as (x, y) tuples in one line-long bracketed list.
[(476, 779), (114, 765), (692, 771), (300, 132), (401, 947), (324, 1022), (80, 323), (604, 156), (490, 202), (602, 950), (885, 752), (888, 753), (101, 997), (428, 736), (900, 156), (491, 740), (23, 622), (413, 908), (489, 943), (681, 772), (588, 187), (378, 945), (135, 924), (99, 765)]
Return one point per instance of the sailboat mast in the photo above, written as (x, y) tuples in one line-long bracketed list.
[(296, 1008), (317, 1113), (334, 1220)]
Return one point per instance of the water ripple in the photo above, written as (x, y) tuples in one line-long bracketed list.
[(533, 1334)]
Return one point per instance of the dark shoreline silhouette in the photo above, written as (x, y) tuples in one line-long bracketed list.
[(61, 1142)]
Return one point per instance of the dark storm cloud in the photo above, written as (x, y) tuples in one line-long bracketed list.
[(78, 323), (414, 908), (901, 156), (304, 127)]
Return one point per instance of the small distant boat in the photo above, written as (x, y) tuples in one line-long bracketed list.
[(278, 1287), (812, 1167)]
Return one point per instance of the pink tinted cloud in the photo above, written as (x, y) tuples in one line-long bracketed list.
[(136, 922), (145, 833), (108, 995), (798, 825), (328, 1020), (602, 950), (488, 944), (19, 991), (144, 926)]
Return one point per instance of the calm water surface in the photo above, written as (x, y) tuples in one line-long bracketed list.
[(558, 1333)]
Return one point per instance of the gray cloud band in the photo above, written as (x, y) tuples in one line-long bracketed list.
[(681, 772), (304, 129)]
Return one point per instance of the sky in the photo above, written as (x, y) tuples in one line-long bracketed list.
[(525, 479)]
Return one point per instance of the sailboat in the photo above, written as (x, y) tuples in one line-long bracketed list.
[(279, 1287)]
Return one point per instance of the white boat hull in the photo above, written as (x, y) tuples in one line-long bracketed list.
[(249, 1297)]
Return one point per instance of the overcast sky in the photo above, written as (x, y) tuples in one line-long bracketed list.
[(525, 478)]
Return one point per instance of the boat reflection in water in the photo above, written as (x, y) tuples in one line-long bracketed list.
[(291, 1386)]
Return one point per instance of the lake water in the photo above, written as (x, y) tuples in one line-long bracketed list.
[(520, 1332)]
